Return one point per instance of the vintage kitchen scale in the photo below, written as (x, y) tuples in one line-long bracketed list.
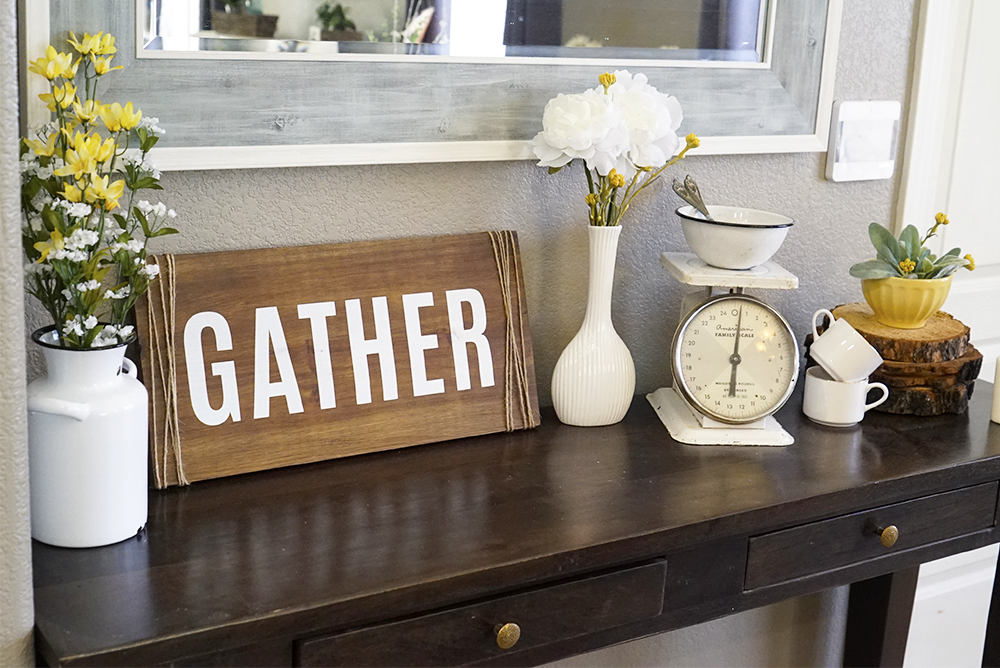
[(734, 358)]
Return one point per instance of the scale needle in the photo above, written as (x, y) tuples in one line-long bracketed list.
[(735, 358)]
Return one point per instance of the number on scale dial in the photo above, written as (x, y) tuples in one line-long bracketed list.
[(735, 359)]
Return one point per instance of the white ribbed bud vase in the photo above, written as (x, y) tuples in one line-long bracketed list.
[(594, 379)]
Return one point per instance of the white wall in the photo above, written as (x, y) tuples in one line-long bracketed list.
[(16, 617), (254, 208)]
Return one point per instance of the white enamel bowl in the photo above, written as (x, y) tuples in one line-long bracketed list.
[(738, 238)]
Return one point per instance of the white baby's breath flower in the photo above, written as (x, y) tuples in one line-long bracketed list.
[(35, 223), (44, 173), (87, 286), (67, 293), (160, 209), (584, 125), (132, 245), (102, 340), (73, 326), (79, 210), (151, 123), (125, 331), (171, 213), (90, 322), (81, 238), (150, 270), (39, 201), (144, 206), (71, 255), (120, 293)]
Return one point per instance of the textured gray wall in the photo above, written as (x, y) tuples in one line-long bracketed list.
[(16, 616), (254, 208)]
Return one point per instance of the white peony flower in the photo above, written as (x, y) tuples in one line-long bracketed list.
[(652, 118), (584, 125)]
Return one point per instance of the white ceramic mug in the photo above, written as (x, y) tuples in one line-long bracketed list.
[(835, 403), (841, 351)]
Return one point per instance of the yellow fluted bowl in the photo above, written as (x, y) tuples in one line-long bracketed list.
[(905, 303)]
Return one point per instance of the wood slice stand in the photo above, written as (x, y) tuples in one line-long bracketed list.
[(929, 371)]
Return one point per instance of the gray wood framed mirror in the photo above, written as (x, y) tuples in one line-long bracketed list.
[(240, 109)]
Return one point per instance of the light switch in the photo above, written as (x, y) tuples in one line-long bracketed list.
[(863, 138)]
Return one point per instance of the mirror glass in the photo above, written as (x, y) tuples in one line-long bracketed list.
[(726, 30)]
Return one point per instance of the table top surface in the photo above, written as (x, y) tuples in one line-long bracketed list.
[(387, 534)]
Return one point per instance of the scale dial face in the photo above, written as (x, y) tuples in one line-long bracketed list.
[(729, 378)]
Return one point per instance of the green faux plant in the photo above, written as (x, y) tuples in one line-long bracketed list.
[(908, 257), (334, 17)]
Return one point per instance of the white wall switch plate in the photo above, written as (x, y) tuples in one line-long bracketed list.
[(863, 138)]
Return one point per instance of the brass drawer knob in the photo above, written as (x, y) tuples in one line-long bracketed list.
[(889, 535), (508, 635)]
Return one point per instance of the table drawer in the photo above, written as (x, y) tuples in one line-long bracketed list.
[(822, 546), (467, 634)]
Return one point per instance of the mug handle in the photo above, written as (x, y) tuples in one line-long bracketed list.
[(816, 315), (129, 369), (880, 400)]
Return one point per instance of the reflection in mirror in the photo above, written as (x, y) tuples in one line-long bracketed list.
[(729, 30)]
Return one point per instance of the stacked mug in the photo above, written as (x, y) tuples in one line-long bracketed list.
[(837, 389)]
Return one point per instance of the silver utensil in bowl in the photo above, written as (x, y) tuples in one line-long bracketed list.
[(689, 192)]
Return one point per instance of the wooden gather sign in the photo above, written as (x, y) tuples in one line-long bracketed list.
[(266, 358)]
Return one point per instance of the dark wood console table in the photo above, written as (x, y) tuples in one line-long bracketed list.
[(581, 537)]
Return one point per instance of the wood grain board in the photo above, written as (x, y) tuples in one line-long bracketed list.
[(418, 348), (943, 338), (929, 371)]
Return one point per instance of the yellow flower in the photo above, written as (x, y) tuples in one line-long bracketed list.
[(86, 153), (100, 44), (615, 179), (102, 193), (46, 148), (591, 199), (52, 65), (117, 118), (693, 141), (907, 265), (972, 263), (54, 243), (606, 80), (103, 65), (72, 193), (64, 96), (941, 219), (87, 112)]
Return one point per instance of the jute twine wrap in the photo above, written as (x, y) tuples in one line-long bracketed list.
[(163, 375), (516, 397)]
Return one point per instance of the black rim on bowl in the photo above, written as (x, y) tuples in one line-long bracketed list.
[(699, 219)]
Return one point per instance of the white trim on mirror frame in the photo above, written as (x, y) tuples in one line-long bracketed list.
[(37, 15)]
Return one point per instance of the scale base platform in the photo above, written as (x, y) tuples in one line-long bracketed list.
[(684, 427)]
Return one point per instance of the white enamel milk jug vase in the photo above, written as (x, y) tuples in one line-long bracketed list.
[(87, 443)]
